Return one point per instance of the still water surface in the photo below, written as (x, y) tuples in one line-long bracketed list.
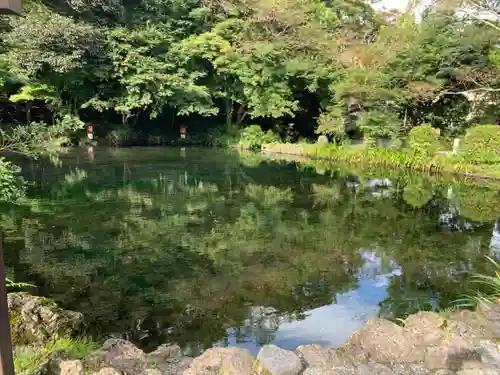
[(204, 248)]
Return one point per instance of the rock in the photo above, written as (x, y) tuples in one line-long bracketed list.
[(38, 320), (51, 365), (318, 357), (445, 372), (384, 342), (223, 361), (374, 369), (108, 371), (425, 327), (169, 360), (449, 355), (71, 368), (237, 364), (321, 371), (322, 140), (477, 371), (151, 371), (166, 354), (473, 365), (491, 313), (490, 353), (413, 369), (278, 361), (468, 326), (177, 368), (320, 171), (120, 354)]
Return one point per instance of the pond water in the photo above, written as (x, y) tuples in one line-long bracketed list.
[(203, 247)]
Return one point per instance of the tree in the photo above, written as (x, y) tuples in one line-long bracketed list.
[(412, 70)]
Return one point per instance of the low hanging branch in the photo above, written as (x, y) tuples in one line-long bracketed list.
[(466, 93)]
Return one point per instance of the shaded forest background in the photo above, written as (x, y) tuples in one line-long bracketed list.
[(141, 69)]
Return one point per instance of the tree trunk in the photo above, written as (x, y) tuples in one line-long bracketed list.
[(240, 116), (28, 112), (229, 115), (406, 118)]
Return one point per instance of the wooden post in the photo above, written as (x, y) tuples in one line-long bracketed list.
[(456, 145), (10, 7), (6, 357)]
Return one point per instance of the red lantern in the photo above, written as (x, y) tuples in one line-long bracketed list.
[(183, 132), (90, 131)]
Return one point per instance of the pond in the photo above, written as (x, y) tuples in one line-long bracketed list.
[(203, 247)]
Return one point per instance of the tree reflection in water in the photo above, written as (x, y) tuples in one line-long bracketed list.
[(205, 249)]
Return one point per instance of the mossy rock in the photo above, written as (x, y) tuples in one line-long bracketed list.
[(15, 321), (38, 320)]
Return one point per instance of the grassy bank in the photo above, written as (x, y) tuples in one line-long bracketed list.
[(29, 359), (367, 157)]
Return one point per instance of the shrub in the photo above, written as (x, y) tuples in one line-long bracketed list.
[(253, 137), (379, 124), (425, 139), (481, 144), (122, 136), (12, 185), (219, 138)]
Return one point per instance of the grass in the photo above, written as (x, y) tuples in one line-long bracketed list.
[(305, 162), (447, 313), (28, 359), (389, 158), (490, 285)]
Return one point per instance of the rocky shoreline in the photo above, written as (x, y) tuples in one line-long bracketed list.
[(458, 343)]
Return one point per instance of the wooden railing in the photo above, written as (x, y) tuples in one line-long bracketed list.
[(6, 357)]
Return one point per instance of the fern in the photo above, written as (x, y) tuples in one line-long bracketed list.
[(17, 285)]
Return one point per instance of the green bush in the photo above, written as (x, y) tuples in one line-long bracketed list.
[(425, 139), (219, 138), (379, 124), (481, 144), (12, 185), (253, 137)]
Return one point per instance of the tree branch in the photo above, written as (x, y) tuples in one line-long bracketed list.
[(481, 89)]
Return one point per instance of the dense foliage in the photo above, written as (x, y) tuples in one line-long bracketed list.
[(482, 144), (141, 69), (425, 138)]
